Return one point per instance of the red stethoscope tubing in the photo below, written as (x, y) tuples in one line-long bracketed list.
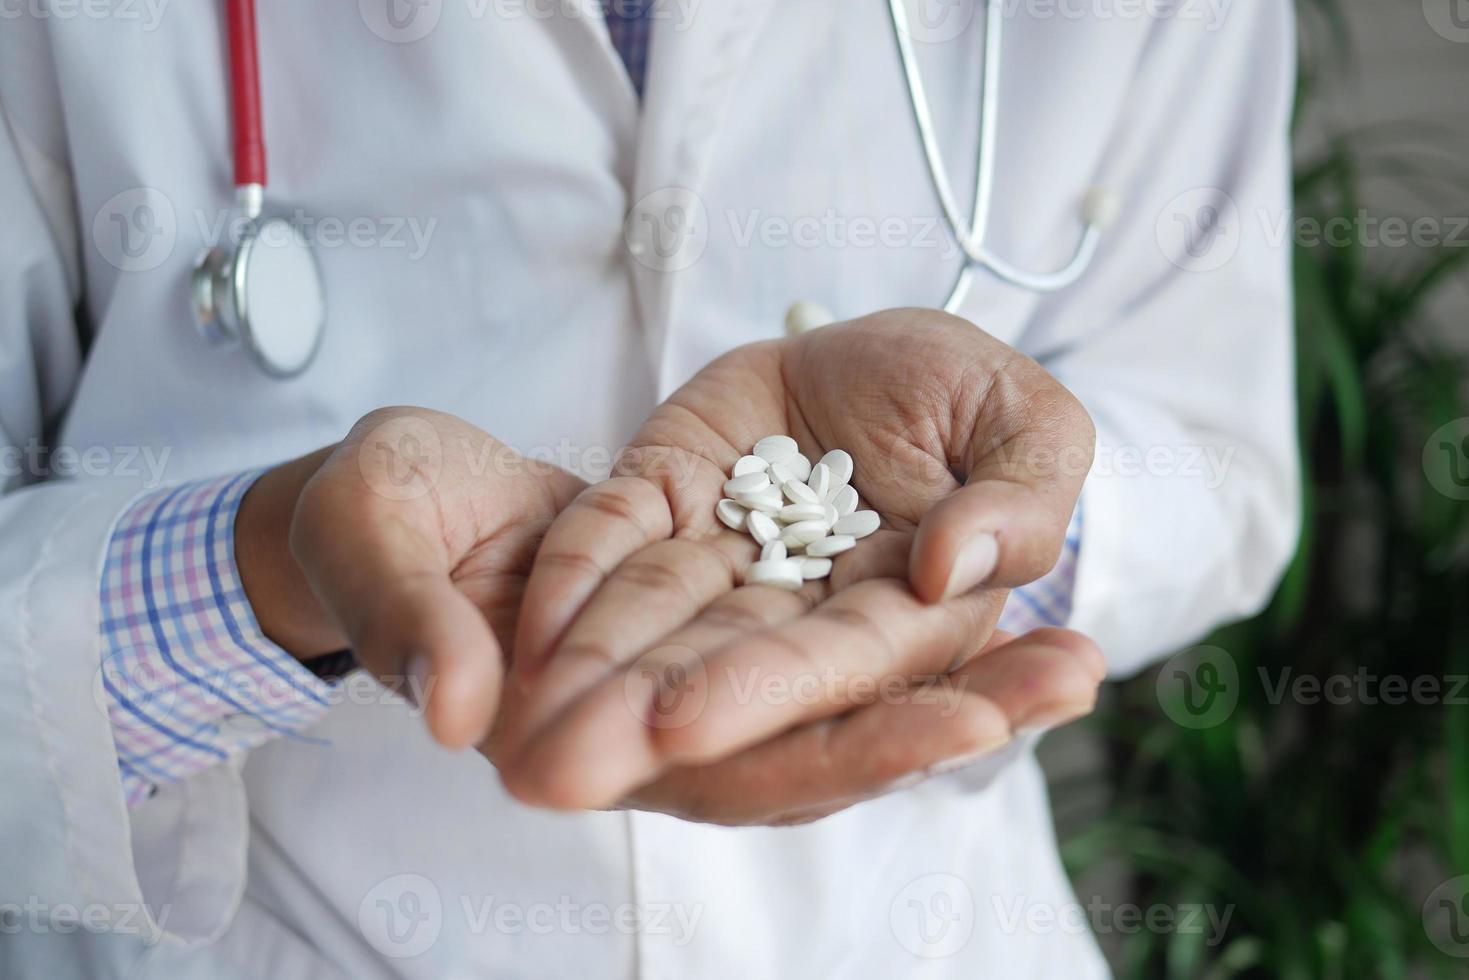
[(245, 93)]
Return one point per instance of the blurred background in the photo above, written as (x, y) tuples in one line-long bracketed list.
[(1298, 785)]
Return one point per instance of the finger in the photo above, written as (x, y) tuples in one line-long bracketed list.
[(652, 593), (1005, 527), (1043, 679), (681, 704), (829, 765), (732, 614), (599, 529), (387, 585), (871, 634)]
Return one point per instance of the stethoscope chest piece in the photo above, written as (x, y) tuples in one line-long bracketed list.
[(264, 293)]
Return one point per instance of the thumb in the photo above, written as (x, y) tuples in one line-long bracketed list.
[(1006, 526), (387, 584)]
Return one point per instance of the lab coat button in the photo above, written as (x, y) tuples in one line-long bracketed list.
[(805, 316)]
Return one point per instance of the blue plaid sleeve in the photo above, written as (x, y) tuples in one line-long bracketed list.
[(188, 679), (1047, 601)]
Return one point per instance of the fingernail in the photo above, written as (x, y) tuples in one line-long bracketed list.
[(975, 563), (419, 678), (968, 759), (1053, 716)]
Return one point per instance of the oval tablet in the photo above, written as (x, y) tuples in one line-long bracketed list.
[(820, 481), (748, 465), (805, 531), (839, 461), (773, 551), (795, 513), (814, 568), (832, 546), (776, 449), (730, 514), (800, 467), (798, 493), (858, 524), (845, 500), (780, 473), (744, 484), (766, 500), (783, 574), (830, 516), (762, 528)]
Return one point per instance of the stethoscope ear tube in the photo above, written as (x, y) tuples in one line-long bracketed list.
[(1098, 209)]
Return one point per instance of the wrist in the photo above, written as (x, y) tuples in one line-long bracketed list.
[(288, 611)]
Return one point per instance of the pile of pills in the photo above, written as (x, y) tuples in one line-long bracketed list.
[(802, 516)]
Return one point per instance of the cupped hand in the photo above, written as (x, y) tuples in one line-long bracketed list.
[(972, 455), (410, 543)]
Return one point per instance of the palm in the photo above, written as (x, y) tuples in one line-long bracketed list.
[(638, 586)]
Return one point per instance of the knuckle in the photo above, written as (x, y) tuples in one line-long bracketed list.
[(734, 615), (577, 562), (653, 574), (625, 500), (591, 651)]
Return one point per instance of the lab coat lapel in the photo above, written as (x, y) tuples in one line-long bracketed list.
[(698, 50)]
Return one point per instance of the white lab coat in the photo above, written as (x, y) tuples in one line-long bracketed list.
[(512, 138)]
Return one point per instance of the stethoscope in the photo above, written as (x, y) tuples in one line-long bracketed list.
[(265, 291), (1098, 208)]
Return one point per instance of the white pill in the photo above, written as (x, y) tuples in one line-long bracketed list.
[(783, 574), (840, 463), (773, 551), (814, 568), (780, 473), (832, 546), (776, 449), (820, 481), (795, 513), (845, 500), (744, 484), (731, 514), (804, 532), (748, 465), (767, 500), (858, 524), (800, 467), (798, 493), (762, 528), (830, 514)]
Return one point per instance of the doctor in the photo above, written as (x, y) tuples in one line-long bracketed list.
[(559, 231)]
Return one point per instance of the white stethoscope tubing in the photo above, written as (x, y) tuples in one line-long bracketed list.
[(1098, 210)]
